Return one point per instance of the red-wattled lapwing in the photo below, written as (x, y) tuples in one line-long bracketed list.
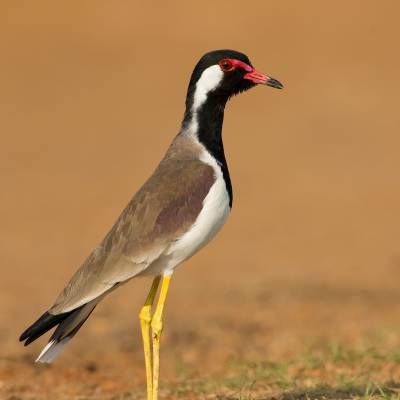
[(175, 213)]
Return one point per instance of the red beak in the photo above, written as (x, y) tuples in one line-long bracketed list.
[(259, 78)]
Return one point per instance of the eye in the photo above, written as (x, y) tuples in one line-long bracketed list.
[(226, 65)]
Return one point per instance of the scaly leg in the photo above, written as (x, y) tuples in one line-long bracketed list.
[(145, 320), (157, 326)]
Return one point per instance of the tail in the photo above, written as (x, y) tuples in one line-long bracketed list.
[(68, 325)]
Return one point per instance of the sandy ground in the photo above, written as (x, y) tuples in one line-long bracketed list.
[(91, 95)]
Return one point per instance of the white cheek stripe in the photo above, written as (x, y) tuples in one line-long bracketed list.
[(209, 80)]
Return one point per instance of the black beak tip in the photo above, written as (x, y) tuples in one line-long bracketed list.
[(274, 83)]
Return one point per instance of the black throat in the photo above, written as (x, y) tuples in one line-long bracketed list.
[(210, 117)]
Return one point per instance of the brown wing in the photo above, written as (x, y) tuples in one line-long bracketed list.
[(163, 209)]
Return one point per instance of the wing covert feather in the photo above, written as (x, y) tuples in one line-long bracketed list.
[(160, 212)]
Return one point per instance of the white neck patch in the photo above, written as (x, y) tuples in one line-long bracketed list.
[(209, 80)]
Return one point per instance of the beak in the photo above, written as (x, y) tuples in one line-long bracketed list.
[(259, 78)]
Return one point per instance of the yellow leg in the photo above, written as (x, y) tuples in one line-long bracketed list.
[(145, 320), (157, 326)]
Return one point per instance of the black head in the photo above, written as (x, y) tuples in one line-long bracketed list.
[(217, 76), (224, 73)]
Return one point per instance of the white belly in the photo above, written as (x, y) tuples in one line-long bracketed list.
[(210, 220)]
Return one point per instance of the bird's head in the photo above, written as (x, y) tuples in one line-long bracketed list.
[(225, 73)]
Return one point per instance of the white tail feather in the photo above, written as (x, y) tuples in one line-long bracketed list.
[(52, 350), (65, 332)]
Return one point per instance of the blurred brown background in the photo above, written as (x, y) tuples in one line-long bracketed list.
[(91, 94)]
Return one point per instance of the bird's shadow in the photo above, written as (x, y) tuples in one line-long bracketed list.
[(385, 391)]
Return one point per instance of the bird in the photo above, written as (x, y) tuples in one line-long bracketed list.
[(176, 212)]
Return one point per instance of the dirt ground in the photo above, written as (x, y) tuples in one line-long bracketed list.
[(298, 296)]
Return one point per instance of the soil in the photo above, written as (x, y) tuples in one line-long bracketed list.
[(91, 95)]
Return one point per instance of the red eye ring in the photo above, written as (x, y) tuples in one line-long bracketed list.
[(226, 65)]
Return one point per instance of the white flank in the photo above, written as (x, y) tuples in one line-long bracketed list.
[(210, 220), (52, 350)]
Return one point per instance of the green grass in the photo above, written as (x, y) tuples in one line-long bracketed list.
[(335, 372)]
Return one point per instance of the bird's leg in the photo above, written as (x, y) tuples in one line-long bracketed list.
[(145, 320), (157, 326)]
